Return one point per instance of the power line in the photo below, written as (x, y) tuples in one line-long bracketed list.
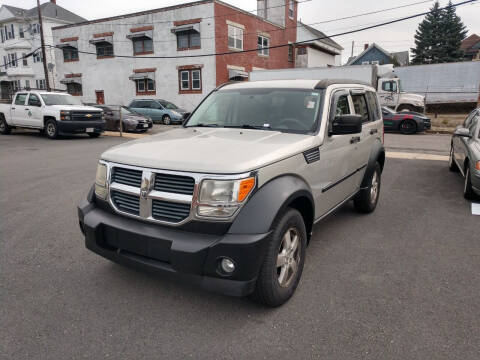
[(281, 45), (21, 58)]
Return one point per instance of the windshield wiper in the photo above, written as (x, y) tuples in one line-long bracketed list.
[(247, 126), (203, 125)]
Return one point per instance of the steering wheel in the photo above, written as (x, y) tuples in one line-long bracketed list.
[(298, 124)]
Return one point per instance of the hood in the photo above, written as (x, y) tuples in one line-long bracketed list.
[(416, 99), (75, 108), (208, 150)]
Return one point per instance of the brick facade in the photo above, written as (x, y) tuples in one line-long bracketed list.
[(253, 25)]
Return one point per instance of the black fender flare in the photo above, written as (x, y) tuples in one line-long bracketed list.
[(270, 200), (376, 154)]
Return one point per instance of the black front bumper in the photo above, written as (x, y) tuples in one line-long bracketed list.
[(190, 257), (76, 127)]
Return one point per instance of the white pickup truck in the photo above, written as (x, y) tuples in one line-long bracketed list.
[(52, 113)]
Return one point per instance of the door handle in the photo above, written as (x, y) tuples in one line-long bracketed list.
[(355, 139), (12, 108), (373, 131), (27, 109)]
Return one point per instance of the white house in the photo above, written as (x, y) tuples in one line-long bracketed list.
[(316, 53), (20, 36)]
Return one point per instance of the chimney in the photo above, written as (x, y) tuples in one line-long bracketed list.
[(53, 1), (365, 47)]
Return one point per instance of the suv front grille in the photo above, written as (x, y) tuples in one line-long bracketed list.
[(127, 176), (86, 115), (174, 184), (168, 211), (126, 202)]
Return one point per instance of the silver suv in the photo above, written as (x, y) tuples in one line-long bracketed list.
[(229, 200)]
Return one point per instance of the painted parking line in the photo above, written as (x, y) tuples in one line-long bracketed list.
[(415, 156)]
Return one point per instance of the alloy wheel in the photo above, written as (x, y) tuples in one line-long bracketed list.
[(374, 188), (51, 129), (288, 258)]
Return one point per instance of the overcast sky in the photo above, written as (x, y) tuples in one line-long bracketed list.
[(395, 37)]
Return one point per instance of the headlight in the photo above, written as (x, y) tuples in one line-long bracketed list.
[(176, 113), (101, 181), (222, 198), (64, 115)]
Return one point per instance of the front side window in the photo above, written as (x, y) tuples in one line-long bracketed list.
[(188, 39), (283, 110), (342, 107), (70, 53), (20, 99), (263, 43), (360, 106), (235, 37), (142, 45), (374, 106), (33, 100), (104, 49)]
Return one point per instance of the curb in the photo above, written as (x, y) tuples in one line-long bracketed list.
[(125, 135)]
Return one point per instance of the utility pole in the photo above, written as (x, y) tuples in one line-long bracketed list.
[(44, 57)]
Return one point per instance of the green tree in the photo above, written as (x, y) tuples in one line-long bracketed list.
[(439, 36)]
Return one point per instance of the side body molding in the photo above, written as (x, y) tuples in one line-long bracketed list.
[(258, 214)]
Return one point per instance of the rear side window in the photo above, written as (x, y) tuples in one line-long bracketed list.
[(360, 105), (20, 99), (374, 106)]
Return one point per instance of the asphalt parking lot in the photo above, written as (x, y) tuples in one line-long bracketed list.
[(401, 283)]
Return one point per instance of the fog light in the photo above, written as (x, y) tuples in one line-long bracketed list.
[(227, 265)]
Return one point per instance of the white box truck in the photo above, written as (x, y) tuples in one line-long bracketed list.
[(381, 77)]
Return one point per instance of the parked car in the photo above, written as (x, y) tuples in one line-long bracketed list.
[(51, 112), (158, 110), (131, 121), (407, 122), (228, 200), (465, 153)]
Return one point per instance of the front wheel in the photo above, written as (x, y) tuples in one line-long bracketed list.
[(366, 200), (4, 127), (166, 120), (51, 129), (283, 263), (408, 127)]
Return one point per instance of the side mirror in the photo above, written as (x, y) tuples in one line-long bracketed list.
[(346, 124), (462, 132)]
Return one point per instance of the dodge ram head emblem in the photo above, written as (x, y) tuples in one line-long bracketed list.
[(145, 187)]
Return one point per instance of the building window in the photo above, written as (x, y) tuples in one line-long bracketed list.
[(235, 37), (74, 89), (365, 62), (188, 40), (40, 84), (16, 85), (25, 59), (104, 49), (302, 51), (20, 31), (291, 9), (27, 84), (145, 86), (35, 29), (375, 62), (290, 52), (12, 60), (190, 80), (263, 43), (70, 54), (142, 45), (37, 57), (9, 32), (2, 35)]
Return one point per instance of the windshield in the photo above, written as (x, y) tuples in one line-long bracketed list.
[(126, 111), (268, 109), (388, 110), (168, 105), (60, 99)]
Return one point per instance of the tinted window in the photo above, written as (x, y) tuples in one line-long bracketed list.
[(342, 107), (374, 106), (33, 100), (389, 86), (360, 105), (141, 104), (20, 99)]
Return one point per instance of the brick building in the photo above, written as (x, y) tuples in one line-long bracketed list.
[(197, 28)]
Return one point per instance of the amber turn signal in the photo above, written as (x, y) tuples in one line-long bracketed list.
[(245, 187), (478, 165)]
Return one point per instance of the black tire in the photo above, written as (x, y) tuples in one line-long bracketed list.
[(272, 288), (408, 127), (51, 129), (468, 192), (452, 165), (367, 199), (166, 120), (94, 135), (5, 129)]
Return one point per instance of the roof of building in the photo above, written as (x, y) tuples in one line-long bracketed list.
[(49, 10), (352, 59), (319, 34), (469, 42)]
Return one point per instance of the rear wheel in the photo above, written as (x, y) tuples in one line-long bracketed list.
[(4, 127), (468, 192), (166, 120), (283, 263), (452, 165), (366, 200), (51, 129), (408, 127)]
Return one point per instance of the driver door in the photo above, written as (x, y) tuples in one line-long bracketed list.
[(388, 94)]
